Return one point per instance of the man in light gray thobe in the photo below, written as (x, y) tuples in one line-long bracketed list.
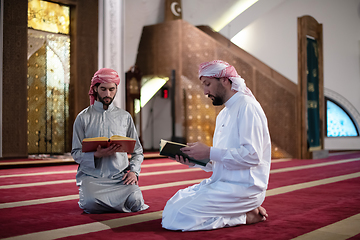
[(107, 180)]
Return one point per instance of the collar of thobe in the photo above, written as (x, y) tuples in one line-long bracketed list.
[(232, 100), (99, 106)]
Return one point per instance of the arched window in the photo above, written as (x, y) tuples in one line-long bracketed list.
[(338, 122)]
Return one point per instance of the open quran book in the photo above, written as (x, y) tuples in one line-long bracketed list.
[(171, 149)]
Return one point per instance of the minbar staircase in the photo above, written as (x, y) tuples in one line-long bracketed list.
[(180, 46)]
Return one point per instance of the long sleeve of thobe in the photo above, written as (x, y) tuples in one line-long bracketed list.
[(241, 144), (81, 158), (250, 138), (137, 156)]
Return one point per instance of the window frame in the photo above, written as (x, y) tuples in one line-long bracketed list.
[(345, 111)]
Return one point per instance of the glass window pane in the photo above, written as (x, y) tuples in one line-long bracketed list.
[(339, 123), (49, 17)]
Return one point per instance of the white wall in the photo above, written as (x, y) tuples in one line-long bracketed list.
[(139, 13), (272, 38), (206, 12)]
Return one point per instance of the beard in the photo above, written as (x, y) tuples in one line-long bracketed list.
[(104, 102), (216, 100), (218, 97)]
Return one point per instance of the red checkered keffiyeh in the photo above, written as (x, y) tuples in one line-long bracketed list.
[(104, 75), (220, 69)]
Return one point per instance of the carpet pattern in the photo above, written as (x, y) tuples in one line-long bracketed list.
[(306, 199)]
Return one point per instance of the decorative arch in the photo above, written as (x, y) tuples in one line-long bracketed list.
[(345, 104), (346, 107)]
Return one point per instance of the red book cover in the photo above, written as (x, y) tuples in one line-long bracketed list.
[(91, 144)]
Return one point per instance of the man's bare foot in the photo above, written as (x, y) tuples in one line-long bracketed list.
[(257, 215)]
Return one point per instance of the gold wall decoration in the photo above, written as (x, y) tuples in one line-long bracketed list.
[(48, 92), (36, 101), (48, 77), (199, 120), (48, 16)]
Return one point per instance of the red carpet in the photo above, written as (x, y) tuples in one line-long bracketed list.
[(291, 214)]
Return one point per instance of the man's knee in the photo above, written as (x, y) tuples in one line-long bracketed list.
[(135, 201), (90, 205)]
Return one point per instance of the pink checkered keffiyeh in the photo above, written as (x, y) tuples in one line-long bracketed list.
[(103, 75), (220, 69)]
